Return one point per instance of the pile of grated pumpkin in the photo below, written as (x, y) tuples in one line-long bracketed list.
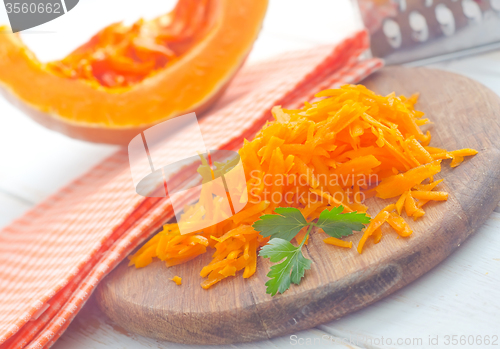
[(372, 145)]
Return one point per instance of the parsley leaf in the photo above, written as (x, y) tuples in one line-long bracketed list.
[(338, 224), (284, 225), (291, 269)]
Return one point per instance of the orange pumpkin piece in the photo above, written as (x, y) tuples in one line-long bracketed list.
[(430, 195), (337, 242), (398, 184), (377, 235), (411, 207), (375, 223), (399, 225), (177, 280), (127, 78)]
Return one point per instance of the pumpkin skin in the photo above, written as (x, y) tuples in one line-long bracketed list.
[(96, 113)]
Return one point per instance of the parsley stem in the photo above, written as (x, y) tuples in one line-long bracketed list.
[(305, 237)]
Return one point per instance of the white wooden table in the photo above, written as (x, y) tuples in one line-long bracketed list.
[(459, 297)]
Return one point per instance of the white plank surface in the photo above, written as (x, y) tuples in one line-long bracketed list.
[(91, 329), (11, 207), (459, 297)]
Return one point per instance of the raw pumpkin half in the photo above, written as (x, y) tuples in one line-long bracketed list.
[(128, 78)]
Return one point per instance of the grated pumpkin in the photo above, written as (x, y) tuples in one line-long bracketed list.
[(373, 145)]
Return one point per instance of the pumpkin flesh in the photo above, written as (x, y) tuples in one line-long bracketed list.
[(115, 102)]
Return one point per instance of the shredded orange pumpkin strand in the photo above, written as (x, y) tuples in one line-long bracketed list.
[(374, 225), (377, 235), (411, 208), (338, 242), (430, 195), (348, 146), (177, 280), (399, 225)]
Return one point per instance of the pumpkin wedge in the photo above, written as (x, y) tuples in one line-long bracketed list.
[(127, 78)]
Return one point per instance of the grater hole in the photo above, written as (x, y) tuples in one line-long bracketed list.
[(401, 5), (418, 24), (446, 19), (392, 32), (495, 5), (428, 3), (472, 11)]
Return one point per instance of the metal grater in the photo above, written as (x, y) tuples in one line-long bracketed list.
[(424, 31)]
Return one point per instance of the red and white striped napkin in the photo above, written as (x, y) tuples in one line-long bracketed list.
[(53, 257)]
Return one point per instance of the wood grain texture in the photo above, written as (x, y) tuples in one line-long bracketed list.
[(466, 114)]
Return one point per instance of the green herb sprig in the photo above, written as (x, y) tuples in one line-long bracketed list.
[(284, 226)]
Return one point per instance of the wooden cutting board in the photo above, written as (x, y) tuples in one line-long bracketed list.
[(466, 115)]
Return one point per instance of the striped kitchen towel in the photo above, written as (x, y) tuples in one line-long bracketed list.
[(54, 256)]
